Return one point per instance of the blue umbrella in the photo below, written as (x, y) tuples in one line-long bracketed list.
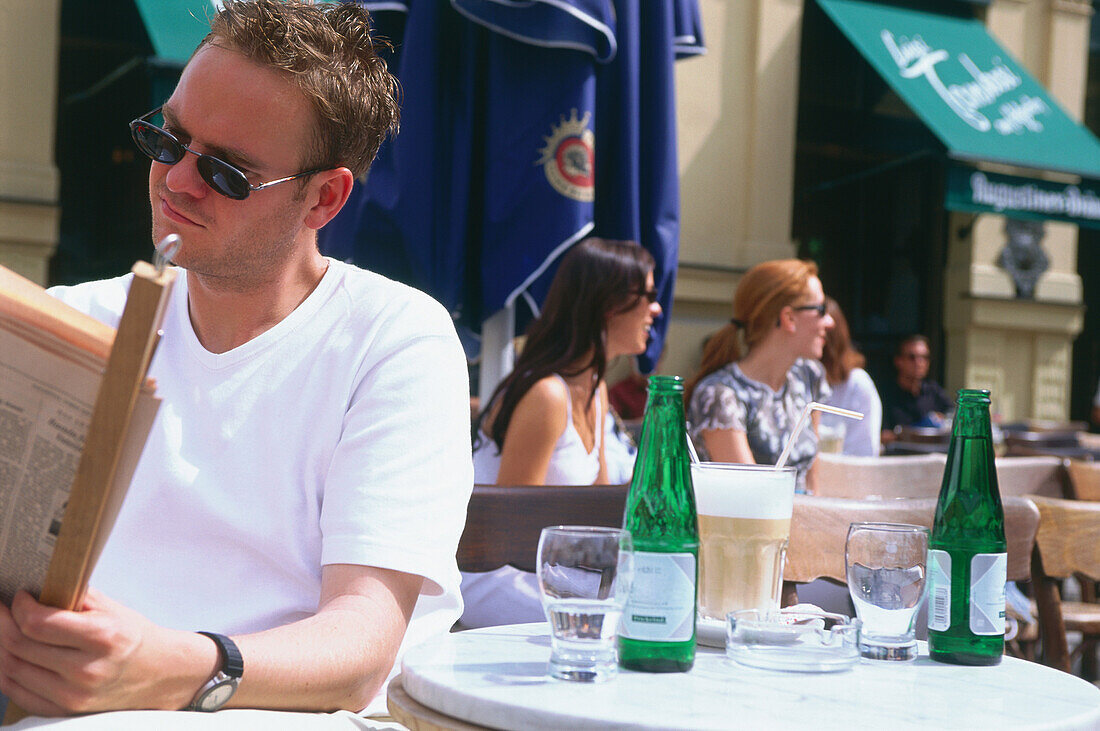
[(526, 125)]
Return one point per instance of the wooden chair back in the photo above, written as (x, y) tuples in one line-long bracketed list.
[(1068, 545), (885, 478), (1084, 479), (819, 530), (1069, 538), (503, 522), (920, 476), (1044, 476)]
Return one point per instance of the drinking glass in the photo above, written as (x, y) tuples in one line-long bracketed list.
[(886, 567), (584, 578), (744, 525)]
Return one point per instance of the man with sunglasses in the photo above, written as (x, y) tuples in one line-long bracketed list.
[(913, 399), (294, 517)]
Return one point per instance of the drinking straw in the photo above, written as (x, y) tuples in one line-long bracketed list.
[(691, 449), (165, 250), (803, 417)]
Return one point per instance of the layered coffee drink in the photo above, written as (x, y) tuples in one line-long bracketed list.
[(744, 526)]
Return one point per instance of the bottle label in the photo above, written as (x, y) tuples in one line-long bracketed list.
[(988, 573), (661, 606), (939, 590)]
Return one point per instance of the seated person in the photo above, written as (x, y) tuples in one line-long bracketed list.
[(544, 423), (852, 388), (745, 400), (913, 399), (303, 488), (547, 423)]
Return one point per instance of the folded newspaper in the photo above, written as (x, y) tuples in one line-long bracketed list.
[(53, 366)]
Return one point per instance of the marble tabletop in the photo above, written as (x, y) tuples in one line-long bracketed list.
[(497, 677)]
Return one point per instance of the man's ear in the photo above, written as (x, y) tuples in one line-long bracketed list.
[(331, 189)]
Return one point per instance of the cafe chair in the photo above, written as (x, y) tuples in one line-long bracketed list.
[(884, 478), (819, 529), (1084, 479), (503, 522), (1038, 475), (1068, 545), (920, 476)]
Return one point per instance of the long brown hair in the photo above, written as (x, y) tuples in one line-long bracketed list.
[(760, 296), (597, 278), (839, 357)]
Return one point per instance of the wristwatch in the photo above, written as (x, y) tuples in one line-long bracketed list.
[(217, 691)]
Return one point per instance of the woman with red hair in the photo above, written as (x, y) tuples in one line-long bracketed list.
[(761, 369)]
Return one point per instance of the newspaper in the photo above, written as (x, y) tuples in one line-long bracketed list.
[(45, 404), (50, 375)]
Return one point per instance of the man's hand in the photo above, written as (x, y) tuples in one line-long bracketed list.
[(55, 662)]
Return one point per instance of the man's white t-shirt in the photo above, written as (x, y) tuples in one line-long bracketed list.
[(340, 435)]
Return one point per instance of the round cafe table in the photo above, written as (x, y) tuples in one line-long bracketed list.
[(496, 677)]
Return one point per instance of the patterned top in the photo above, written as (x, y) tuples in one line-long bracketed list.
[(728, 399)]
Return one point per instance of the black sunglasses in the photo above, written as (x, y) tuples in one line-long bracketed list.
[(819, 309), (649, 294), (161, 146)]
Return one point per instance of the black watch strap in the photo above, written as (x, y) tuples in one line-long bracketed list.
[(232, 662)]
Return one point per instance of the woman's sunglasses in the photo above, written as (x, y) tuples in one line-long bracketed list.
[(819, 309), (649, 294), (164, 148)]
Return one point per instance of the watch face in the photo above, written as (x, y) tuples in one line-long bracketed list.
[(218, 696)]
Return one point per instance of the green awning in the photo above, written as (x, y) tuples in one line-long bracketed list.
[(979, 191), (969, 91), (176, 26)]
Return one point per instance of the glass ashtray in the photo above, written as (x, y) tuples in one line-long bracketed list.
[(793, 640)]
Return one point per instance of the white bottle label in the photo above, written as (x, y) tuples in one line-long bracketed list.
[(939, 590), (988, 573), (661, 606)]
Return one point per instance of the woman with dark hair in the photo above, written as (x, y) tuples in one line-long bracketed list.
[(545, 422), (743, 404), (852, 388)]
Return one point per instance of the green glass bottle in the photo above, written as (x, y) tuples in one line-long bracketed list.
[(657, 633), (968, 558)]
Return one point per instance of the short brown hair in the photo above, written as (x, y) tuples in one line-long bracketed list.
[(329, 51), (916, 338)]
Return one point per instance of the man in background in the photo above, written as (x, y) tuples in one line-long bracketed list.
[(302, 491), (912, 399)]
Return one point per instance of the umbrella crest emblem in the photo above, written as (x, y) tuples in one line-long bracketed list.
[(568, 158)]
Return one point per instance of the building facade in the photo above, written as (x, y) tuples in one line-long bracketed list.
[(774, 123), (29, 179), (790, 145)]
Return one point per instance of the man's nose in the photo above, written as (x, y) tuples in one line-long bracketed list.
[(184, 177)]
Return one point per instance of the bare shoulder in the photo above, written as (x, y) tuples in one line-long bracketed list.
[(535, 427), (548, 394), (543, 408)]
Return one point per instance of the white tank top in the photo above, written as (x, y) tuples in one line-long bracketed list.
[(570, 464)]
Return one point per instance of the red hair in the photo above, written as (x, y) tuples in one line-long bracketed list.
[(839, 357), (760, 296)]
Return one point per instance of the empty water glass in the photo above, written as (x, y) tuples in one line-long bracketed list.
[(584, 578), (886, 567)]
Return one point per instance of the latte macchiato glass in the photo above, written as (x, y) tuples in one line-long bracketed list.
[(744, 526)]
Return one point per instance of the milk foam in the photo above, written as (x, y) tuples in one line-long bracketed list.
[(743, 491)]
